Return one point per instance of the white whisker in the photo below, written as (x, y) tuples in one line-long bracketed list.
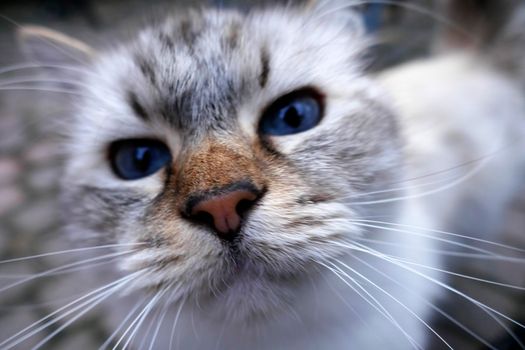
[(36, 66), (95, 292), (6, 82), (63, 272), (398, 302), (478, 279), (443, 252), (487, 309), (45, 273), (452, 319), (496, 244), (163, 315), (97, 301), (135, 325), (458, 244), (475, 170), (172, 335), (126, 319), (416, 8), (42, 89), (426, 184), (147, 332), (376, 304), (48, 42)]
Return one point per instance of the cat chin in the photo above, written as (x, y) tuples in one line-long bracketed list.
[(250, 298)]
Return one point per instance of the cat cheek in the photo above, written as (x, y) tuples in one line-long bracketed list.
[(176, 250)]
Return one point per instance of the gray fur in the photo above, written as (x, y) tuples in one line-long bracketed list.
[(205, 78)]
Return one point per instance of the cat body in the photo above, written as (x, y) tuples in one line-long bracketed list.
[(298, 274)]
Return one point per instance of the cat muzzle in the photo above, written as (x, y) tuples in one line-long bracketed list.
[(224, 209)]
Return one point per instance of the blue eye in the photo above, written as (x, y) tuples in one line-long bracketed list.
[(138, 158), (292, 113)]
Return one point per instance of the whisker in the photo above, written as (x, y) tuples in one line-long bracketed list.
[(137, 322), (157, 298), (496, 244), (47, 41), (63, 272), (443, 252), (400, 188), (478, 279), (376, 304), (416, 8), (82, 313), (475, 170), (487, 309), (143, 317), (347, 304), (147, 332), (58, 273), (38, 67), (126, 319), (42, 89), (163, 315), (486, 253), (398, 302), (69, 251), (434, 307), (33, 325), (431, 174), (458, 244), (45, 273), (175, 321), (7, 82)]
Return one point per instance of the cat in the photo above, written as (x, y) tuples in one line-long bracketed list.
[(264, 192)]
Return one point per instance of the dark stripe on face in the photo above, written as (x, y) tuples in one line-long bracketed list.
[(268, 146), (189, 33), (146, 69), (137, 107), (265, 68), (166, 41)]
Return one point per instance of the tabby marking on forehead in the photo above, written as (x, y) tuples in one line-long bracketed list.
[(166, 40), (265, 67), (146, 69), (137, 107), (190, 33)]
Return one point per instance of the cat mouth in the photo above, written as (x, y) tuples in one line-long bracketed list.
[(235, 254)]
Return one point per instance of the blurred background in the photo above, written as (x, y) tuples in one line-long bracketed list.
[(30, 162)]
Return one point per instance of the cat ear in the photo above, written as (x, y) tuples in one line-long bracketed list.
[(49, 47)]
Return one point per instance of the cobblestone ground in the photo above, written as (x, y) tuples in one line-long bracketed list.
[(30, 178)]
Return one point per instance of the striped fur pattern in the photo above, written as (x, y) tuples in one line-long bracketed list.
[(200, 82)]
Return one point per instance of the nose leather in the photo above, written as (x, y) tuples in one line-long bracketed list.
[(224, 209)]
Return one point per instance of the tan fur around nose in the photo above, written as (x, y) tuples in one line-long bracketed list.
[(214, 166)]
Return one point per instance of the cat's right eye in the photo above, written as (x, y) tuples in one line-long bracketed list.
[(135, 159)]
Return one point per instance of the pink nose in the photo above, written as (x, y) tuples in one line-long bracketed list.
[(226, 210)]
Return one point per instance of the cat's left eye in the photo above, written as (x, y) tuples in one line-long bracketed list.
[(134, 159), (293, 113)]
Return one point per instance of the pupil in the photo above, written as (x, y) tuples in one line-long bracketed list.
[(142, 159), (292, 117)]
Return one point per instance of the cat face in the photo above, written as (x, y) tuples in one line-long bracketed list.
[(231, 146)]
